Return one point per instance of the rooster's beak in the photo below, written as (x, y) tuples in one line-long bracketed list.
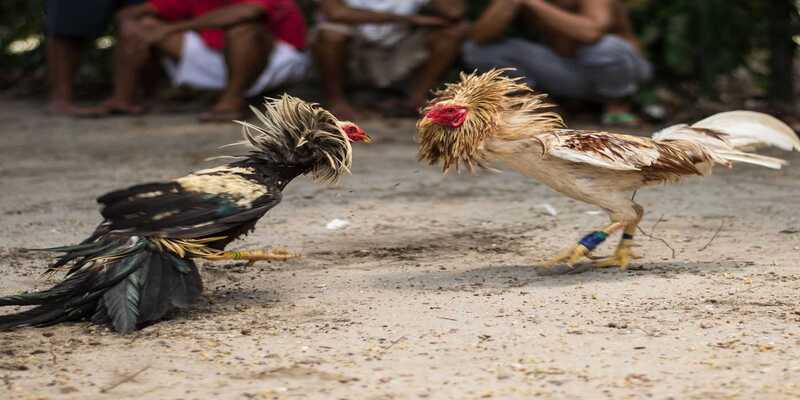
[(367, 139), (425, 122)]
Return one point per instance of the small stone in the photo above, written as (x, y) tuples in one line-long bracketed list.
[(67, 390)]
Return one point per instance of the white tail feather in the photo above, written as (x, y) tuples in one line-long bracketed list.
[(726, 136), (750, 158), (747, 129)]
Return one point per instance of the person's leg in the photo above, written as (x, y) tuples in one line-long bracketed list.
[(129, 58), (615, 69), (330, 51), (538, 65), (67, 24), (247, 51), (444, 46), (63, 58)]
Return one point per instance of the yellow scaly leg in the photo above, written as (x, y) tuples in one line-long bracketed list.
[(624, 254), (253, 255), (572, 255)]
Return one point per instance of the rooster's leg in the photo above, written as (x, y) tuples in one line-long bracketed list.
[(253, 255), (624, 254), (572, 255)]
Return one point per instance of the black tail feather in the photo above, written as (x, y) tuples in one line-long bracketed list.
[(127, 283)]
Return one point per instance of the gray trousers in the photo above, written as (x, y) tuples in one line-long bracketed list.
[(611, 68)]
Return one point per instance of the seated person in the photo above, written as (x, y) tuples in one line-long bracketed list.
[(383, 42), (588, 50), (68, 25), (242, 47)]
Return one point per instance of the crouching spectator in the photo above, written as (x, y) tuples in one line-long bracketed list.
[(241, 47), (587, 50), (68, 24), (384, 42)]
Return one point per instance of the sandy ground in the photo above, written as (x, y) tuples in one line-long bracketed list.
[(432, 291)]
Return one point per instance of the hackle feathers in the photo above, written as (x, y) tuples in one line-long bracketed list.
[(293, 131), (496, 104)]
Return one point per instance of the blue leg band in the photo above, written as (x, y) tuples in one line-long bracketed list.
[(593, 239)]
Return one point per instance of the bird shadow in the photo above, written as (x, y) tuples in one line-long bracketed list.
[(517, 276), (215, 302)]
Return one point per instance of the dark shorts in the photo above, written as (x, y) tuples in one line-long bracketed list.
[(81, 18)]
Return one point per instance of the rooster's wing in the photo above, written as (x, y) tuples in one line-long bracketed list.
[(198, 205), (624, 152)]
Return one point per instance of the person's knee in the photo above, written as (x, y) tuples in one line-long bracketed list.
[(453, 34), (331, 38), (610, 49), (475, 54), (130, 28), (249, 31)]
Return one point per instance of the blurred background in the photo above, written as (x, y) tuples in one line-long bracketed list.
[(708, 55)]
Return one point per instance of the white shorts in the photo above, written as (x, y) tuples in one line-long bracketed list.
[(203, 67)]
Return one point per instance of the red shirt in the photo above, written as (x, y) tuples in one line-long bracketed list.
[(282, 18)]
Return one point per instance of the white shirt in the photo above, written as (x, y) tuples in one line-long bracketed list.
[(386, 34)]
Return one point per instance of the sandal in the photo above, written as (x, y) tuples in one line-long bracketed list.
[(623, 119)]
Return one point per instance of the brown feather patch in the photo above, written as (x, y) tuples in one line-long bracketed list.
[(675, 160)]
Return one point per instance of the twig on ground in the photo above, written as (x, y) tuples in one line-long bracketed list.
[(751, 288), (653, 229), (721, 224), (124, 379), (657, 238), (394, 342)]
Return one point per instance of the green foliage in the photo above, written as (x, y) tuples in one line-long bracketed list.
[(697, 41), (18, 20)]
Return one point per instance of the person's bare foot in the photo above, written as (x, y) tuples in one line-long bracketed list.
[(397, 108), (108, 108), (226, 110), (342, 110), (61, 107), (215, 116)]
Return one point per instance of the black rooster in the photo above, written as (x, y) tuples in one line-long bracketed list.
[(138, 264)]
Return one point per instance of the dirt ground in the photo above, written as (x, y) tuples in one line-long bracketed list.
[(433, 290)]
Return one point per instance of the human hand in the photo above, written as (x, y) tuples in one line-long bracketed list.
[(142, 34), (426, 20), (154, 34)]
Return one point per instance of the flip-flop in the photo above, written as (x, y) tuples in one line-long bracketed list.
[(623, 119)]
